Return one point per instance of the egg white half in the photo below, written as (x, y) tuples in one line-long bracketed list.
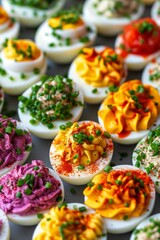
[(146, 74), (33, 219), (154, 12), (38, 229), (108, 26), (133, 61), (145, 223), (30, 17), (134, 160), (12, 82), (5, 231), (124, 226), (133, 137), (43, 131), (1, 99), (81, 177), (89, 96), (62, 54), (10, 167)]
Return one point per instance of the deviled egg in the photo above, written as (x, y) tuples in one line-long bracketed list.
[(50, 103), (80, 151), (62, 36), (111, 16), (15, 144), (22, 64), (139, 43), (28, 191), (9, 28), (1, 99), (146, 156), (4, 227), (71, 221), (32, 13), (130, 111), (151, 74), (124, 195), (155, 12), (96, 70)]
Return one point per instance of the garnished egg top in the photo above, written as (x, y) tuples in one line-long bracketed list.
[(80, 151), (71, 221), (133, 107)]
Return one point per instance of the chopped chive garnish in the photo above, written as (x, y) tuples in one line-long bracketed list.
[(107, 169), (48, 185)]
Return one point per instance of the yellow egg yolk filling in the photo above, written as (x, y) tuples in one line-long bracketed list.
[(63, 223), (81, 144), (21, 50), (100, 69), (119, 194), (66, 21), (3, 16), (133, 107)]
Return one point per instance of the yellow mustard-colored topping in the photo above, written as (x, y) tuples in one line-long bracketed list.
[(67, 224), (3, 16), (21, 50), (134, 107), (100, 69), (82, 144), (119, 194), (66, 21)]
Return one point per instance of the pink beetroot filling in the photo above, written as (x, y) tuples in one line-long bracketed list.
[(13, 142), (28, 189)]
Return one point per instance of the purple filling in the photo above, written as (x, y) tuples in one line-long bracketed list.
[(28, 189), (13, 142)]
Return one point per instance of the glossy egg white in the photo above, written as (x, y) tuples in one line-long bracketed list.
[(5, 230), (33, 219), (43, 131), (12, 82), (134, 61), (1, 98), (89, 96), (108, 26), (81, 177), (146, 75), (145, 223), (64, 54), (38, 229), (124, 226), (3, 171), (133, 137), (134, 160), (28, 16), (154, 12)]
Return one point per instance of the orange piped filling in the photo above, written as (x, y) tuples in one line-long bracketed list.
[(119, 193), (70, 224), (21, 50), (133, 107), (100, 69), (3, 16)]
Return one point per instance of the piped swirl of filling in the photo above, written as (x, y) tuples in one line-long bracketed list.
[(148, 154), (119, 194), (149, 232), (154, 74), (100, 69), (53, 99), (116, 8), (28, 189), (21, 50), (81, 145), (65, 223), (14, 142), (133, 107), (45, 4)]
